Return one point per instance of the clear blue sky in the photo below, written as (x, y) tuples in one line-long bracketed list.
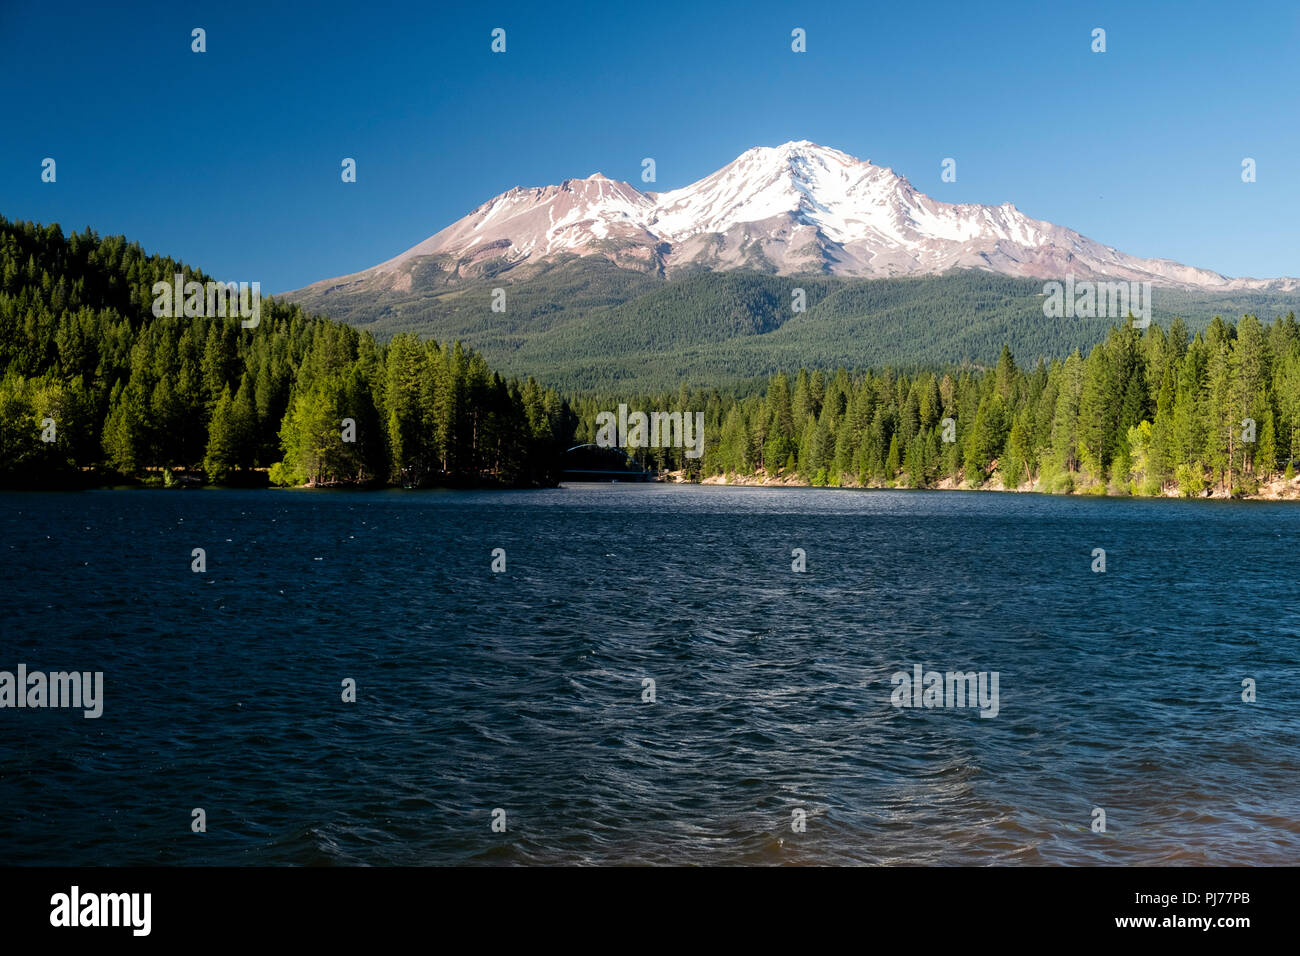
[(230, 159)]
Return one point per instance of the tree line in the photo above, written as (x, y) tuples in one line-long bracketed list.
[(92, 385), (1143, 412)]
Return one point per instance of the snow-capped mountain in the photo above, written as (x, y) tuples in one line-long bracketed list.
[(792, 209)]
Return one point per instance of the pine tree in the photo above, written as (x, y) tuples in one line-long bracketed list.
[(222, 455), (1098, 415), (123, 441), (1065, 418), (892, 463), (244, 423), (1015, 460), (1264, 462), (1160, 456)]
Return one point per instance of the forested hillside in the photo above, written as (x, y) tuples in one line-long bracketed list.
[(1141, 413), (587, 325), (91, 381)]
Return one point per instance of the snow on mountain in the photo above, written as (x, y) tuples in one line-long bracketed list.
[(791, 209), (542, 222)]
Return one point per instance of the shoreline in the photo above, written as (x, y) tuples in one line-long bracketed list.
[(1277, 489)]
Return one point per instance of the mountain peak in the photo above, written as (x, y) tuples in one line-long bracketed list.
[(796, 208), (800, 149), (806, 147)]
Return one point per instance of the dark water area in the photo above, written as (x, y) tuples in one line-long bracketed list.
[(523, 690)]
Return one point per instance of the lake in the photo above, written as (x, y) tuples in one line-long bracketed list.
[(526, 691)]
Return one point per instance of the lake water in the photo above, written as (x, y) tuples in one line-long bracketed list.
[(524, 690)]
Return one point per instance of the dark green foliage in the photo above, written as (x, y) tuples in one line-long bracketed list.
[(132, 393), (588, 325), (1096, 424)]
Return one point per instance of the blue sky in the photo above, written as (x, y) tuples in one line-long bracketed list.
[(230, 159)]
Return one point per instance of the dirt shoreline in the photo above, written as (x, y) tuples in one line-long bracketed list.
[(1275, 490)]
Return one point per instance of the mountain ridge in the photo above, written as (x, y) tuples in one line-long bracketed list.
[(794, 209)]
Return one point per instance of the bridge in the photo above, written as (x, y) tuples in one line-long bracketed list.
[(592, 462)]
